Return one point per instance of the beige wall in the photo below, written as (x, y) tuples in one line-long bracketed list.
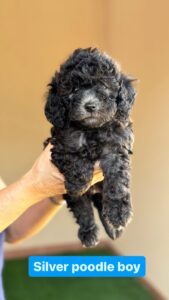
[(140, 31), (36, 37)]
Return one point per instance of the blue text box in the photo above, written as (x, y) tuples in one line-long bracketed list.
[(87, 266)]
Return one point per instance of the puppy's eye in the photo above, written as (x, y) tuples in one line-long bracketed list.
[(76, 89), (104, 97), (113, 98)]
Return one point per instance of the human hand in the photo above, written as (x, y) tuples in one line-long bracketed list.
[(47, 179)]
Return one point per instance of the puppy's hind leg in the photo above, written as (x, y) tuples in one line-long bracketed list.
[(82, 210)]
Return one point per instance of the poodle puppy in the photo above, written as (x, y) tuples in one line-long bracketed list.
[(89, 103)]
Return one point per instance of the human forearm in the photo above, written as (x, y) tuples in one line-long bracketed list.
[(32, 221), (17, 198)]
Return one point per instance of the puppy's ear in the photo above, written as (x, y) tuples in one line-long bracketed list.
[(54, 107), (126, 96)]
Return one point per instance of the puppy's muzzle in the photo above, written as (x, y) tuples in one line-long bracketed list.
[(91, 106)]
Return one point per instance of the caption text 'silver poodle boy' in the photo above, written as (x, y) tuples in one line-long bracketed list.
[(89, 103)]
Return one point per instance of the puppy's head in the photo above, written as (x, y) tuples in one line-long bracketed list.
[(89, 90)]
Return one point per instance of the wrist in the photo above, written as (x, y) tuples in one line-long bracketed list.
[(16, 199)]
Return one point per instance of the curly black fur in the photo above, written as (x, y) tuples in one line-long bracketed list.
[(89, 103)]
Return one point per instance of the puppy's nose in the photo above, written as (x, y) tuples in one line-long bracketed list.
[(90, 106)]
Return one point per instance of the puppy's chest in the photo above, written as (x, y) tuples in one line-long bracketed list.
[(88, 144)]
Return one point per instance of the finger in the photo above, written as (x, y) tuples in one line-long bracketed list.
[(97, 178), (49, 146), (97, 165), (59, 199), (48, 150)]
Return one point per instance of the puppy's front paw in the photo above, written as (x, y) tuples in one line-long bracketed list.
[(118, 214), (89, 238), (112, 232)]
